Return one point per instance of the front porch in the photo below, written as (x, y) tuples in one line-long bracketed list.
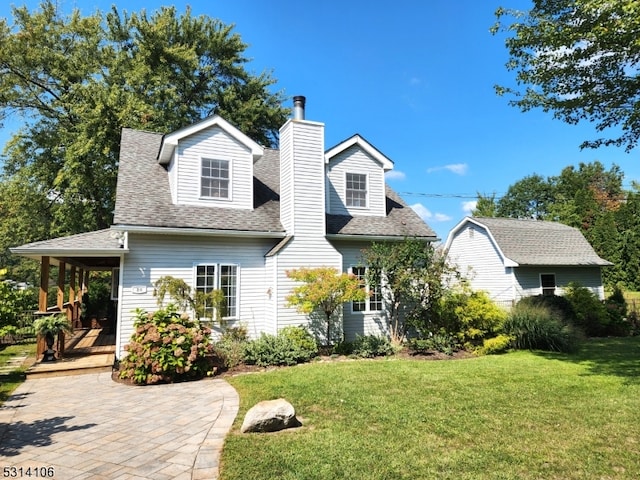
[(92, 344), (87, 350)]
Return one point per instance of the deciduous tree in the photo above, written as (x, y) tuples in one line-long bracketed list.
[(413, 277), (580, 60), (77, 80), (325, 289)]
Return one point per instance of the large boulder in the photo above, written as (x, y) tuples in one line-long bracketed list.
[(270, 416)]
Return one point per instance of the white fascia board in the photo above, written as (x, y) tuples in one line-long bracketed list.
[(170, 141), (197, 231), (68, 252), (387, 163)]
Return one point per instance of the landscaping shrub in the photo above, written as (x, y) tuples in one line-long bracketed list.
[(479, 318), (369, 346), (230, 348), (302, 338), (166, 347), (538, 327), (590, 313), (275, 350), (441, 341), (495, 345), (560, 305), (617, 310), (344, 347)]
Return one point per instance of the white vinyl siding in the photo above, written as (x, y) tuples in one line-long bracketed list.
[(478, 260), (300, 252), (355, 161), (153, 256), (302, 183), (528, 279), (213, 147)]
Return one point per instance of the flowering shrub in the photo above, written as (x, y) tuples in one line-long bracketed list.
[(166, 347)]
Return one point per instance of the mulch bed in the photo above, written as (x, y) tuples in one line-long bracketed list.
[(404, 354)]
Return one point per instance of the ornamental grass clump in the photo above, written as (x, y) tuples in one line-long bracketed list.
[(166, 346), (534, 327)]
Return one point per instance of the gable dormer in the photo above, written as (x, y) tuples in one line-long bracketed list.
[(355, 178), (210, 163)]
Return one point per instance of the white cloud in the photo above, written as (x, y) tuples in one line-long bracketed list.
[(457, 168), (470, 206), (415, 81), (395, 175), (426, 215)]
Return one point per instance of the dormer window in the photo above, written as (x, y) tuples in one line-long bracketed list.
[(214, 178), (356, 192)]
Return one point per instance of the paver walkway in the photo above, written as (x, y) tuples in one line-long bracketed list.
[(88, 426), (13, 363)]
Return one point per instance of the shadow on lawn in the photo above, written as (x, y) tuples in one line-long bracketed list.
[(619, 357)]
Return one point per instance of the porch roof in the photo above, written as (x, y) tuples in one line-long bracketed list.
[(101, 249)]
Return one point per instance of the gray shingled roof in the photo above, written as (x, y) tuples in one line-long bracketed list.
[(534, 242), (143, 199), (99, 249)]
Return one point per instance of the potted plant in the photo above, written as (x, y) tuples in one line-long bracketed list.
[(50, 327)]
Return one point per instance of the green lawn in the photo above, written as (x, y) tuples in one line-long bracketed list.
[(9, 382), (522, 415)]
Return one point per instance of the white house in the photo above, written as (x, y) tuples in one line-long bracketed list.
[(513, 258), (210, 206)]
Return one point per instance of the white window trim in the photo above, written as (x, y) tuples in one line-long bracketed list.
[(366, 186), (216, 199), (367, 301), (555, 282), (216, 281)]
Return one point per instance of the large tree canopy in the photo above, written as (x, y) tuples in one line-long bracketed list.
[(579, 59), (76, 80)]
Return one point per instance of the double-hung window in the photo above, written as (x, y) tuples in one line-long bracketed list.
[(356, 191), (219, 277), (373, 302), (214, 178), (548, 284)]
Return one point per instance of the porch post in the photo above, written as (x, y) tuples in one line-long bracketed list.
[(44, 284), (61, 275), (42, 301), (72, 296)]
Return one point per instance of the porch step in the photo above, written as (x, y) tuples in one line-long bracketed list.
[(96, 363)]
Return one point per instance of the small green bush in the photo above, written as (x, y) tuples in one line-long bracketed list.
[(479, 317), (230, 348), (344, 347), (302, 338), (441, 341), (590, 313), (617, 310), (272, 350), (369, 346), (166, 347), (540, 328), (560, 305), (495, 345)]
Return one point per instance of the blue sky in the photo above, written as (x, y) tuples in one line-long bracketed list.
[(415, 79)]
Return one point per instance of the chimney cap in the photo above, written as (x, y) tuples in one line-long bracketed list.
[(299, 102)]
